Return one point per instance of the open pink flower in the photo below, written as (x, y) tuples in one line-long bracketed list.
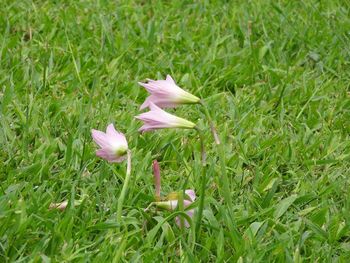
[(113, 144), (157, 118), (166, 94)]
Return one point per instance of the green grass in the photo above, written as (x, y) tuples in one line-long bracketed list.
[(275, 75)]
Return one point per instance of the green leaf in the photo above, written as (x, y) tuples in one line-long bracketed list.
[(283, 206)]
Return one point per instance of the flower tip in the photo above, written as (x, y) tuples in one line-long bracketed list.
[(139, 117), (93, 132), (60, 206), (153, 107), (142, 130), (191, 194), (110, 127), (156, 169), (169, 78), (144, 105), (155, 164)]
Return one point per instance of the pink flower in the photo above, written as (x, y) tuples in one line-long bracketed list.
[(173, 203), (166, 94), (60, 206), (157, 118), (63, 205), (113, 144)]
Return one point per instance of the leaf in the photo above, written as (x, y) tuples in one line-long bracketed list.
[(153, 232), (262, 52), (318, 231), (283, 206), (253, 229)]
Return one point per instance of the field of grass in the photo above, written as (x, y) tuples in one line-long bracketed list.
[(275, 76)]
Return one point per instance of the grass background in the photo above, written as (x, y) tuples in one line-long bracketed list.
[(275, 75)]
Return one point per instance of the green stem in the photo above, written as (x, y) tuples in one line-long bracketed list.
[(221, 153), (124, 189), (211, 123), (181, 208), (203, 182)]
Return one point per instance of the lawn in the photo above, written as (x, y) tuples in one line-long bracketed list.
[(275, 76)]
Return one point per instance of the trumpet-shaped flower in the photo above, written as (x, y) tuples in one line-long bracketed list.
[(63, 205), (157, 118), (60, 206), (113, 144), (166, 94)]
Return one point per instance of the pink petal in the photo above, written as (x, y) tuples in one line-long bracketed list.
[(187, 203), (150, 88), (155, 108), (161, 87), (109, 156), (157, 100), (154, 118), (111, 130), (145, 104), (105, 154), (190, 213), (170, 79), (145, 128), (100, 138), (114, 135), (166, 94), (157, 118), (191, 194), (153, 126), (61, 206)]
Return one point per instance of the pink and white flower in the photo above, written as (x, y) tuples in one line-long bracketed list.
[(172, 205), (60, 206), (166, 94), (172, 200), (113, 144), (63, 205), (157, 118)]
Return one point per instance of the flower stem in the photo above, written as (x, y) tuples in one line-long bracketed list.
[(124, 189), (157, 184), (203, 182), (211, 123), (221, 153)]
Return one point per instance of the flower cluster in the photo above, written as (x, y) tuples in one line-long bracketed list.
[(114, 147)]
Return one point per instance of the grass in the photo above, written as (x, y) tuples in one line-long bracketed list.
[(275, 76)]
